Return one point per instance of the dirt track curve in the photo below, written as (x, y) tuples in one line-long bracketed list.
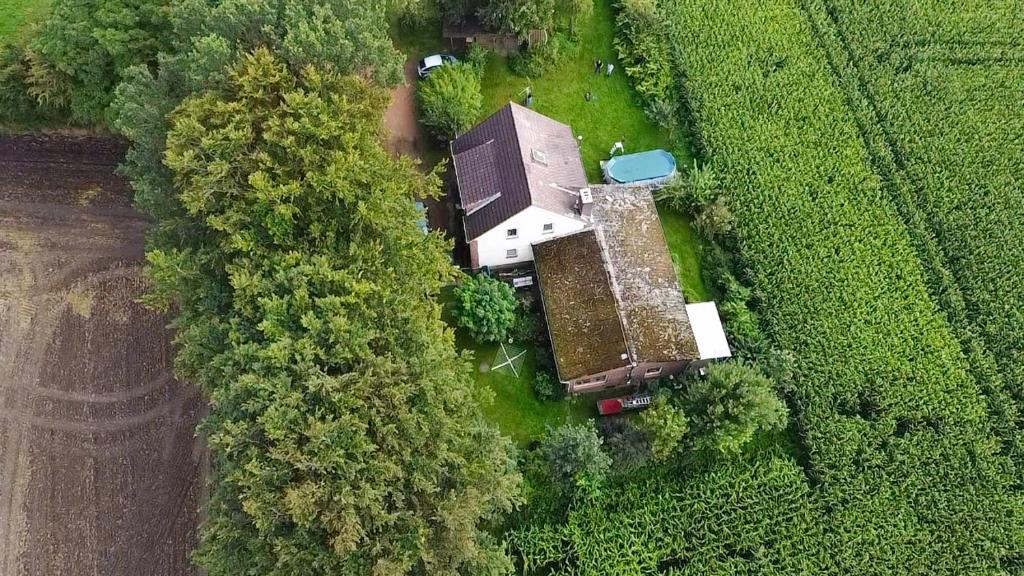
[(99, 467)]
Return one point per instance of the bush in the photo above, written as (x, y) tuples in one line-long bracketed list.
[(693, 191), (644, 49), (731, 405), (547, 387), (627, 445), (575, 458), (528, 327), (485, 307), (665, 426), (537, 61), (450, 100), (477, 57)]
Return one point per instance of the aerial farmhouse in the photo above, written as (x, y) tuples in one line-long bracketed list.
[(614, 307)]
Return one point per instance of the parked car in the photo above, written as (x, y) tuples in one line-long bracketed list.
[(431, 63)]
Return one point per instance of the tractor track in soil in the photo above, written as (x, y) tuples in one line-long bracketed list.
[(100, 470)]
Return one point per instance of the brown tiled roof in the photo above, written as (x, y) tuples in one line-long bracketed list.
[(526, 157), (586, 335), (644, 279)]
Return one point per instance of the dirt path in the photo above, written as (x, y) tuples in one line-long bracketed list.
[(99, 467), (406, 137), (404, 133)]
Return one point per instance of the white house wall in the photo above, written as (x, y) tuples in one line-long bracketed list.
[(492, 246)]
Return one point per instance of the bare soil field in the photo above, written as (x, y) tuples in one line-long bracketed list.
[(99, 467)]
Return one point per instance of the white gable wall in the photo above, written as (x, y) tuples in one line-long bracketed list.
[(492, 246)]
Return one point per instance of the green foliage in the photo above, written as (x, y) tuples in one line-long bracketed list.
[(575, 13), (450, 100), (518, 16), (898, 439), (692, 191), (477, 56), (344, 430), (665, 426), (547, 387), (730, 405), (83, 48), (918, 131), (486, 307), (575, 459), (749, 515), (542, 58), (645, 52)]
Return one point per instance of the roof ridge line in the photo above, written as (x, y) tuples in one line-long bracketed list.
[(521, 166)]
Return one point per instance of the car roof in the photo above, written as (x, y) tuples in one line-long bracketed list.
[(431, 61)]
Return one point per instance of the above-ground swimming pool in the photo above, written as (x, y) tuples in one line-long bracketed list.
[(651, 167)]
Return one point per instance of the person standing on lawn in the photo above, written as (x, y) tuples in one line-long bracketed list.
[(597, 66), (610, 68)]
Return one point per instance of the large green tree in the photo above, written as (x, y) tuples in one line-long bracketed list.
[(344, 427), (731, 405)]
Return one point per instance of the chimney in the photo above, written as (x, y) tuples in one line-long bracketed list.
[(585, 203)]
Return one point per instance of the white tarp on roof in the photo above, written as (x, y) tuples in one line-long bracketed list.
[(708, 331)]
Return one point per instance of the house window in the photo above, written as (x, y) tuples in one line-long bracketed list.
[(589, 383), (652, 372), (548, 228), (511, 253), (512, 233)]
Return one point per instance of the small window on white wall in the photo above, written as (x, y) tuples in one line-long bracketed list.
[(549, 228), (511, 253), (512, 233)]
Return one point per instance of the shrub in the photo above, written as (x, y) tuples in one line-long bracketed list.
[(575, 458), (665, 426), (537, 61), (731, 405), (486, 307), (546, 386), (627, 445), (450, 100), (477, 57), (692, 191)]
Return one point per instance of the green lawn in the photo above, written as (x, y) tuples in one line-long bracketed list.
[(516, 409), (683, 243), (611, 116), (15, 15)]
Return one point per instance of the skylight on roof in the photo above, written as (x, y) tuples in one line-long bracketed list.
[(539, 156)]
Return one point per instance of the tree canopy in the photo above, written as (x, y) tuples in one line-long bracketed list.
[(343, 425)]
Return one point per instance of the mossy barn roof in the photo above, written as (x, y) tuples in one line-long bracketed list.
[(614, 289)]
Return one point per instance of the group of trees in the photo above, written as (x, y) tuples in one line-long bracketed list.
[(519, 17), (343, 424), (72, 66)]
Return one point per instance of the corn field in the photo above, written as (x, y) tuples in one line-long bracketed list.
[(871, 153)]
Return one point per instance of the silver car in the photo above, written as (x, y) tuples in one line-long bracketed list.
[(431, 63)]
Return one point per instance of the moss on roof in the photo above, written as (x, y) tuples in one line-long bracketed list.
[(644, 279), (581, 310)]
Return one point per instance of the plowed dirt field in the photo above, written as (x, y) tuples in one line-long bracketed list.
[(99, 467)]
